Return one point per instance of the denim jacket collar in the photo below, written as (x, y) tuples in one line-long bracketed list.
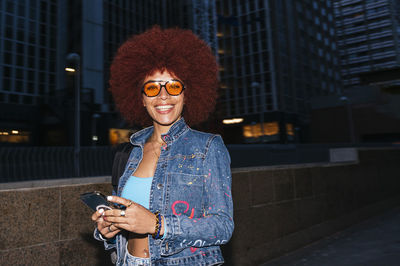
[(176, 130)]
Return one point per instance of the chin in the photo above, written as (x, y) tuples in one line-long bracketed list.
[(166, 122)]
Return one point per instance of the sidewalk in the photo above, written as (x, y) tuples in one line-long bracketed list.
[(374, 242)]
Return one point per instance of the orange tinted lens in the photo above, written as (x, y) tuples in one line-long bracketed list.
[(151, 89), (174, 87)]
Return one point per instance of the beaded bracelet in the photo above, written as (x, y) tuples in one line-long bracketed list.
[(157, 231)]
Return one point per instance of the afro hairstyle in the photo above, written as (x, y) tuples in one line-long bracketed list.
[(178, 51)]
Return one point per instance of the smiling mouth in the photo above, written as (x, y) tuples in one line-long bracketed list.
[(164, 107)]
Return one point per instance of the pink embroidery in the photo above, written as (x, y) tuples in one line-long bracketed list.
[(185, 211)]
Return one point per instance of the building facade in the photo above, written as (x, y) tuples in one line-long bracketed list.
[(37, 94), (274, 56), (28, 65), (368, 36)]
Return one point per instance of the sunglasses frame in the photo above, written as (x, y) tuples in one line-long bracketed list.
[(163, 85)]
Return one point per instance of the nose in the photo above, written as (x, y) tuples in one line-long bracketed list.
[(163, 93)]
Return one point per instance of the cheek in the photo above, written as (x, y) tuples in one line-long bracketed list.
[(144, 101)]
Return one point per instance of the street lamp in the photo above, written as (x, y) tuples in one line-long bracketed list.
[(95, 138), (349, 118), (75, 59)]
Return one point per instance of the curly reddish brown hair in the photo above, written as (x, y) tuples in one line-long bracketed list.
[(178, 51)]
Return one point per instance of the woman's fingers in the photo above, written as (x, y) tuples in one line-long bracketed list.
[(127, 203), (117, 213), (97, 215), (110, 230)]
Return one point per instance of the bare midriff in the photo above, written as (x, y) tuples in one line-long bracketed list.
[(138, 245)]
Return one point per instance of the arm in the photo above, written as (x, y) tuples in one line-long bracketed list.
[(216, 225)]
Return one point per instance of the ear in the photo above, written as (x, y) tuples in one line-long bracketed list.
[(144, 104)]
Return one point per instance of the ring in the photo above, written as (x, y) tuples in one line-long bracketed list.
[(129, 204), (122, 213), (109, 228)]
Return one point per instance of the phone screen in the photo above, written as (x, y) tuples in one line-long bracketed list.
[(95, 200)]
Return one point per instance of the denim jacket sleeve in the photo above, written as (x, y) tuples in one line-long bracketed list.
[(216, 225)]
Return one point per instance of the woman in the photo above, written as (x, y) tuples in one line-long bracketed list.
[(176, 188)]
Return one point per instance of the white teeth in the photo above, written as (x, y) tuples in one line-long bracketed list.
[(164, 107)]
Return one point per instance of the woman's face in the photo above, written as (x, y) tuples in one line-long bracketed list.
[(164, 109)]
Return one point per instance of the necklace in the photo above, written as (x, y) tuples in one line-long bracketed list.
[(154, 147)]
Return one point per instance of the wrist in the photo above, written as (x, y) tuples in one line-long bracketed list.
[(158, 225)]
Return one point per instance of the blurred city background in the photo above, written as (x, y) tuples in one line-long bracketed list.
[(296, 78)]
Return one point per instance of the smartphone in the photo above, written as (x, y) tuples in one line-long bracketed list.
[(95, 200)]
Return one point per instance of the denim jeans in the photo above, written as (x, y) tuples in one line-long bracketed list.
[(135, 261)]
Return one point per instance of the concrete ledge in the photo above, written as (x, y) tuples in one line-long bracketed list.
[(340, 155), (276, 210), (54, 183)]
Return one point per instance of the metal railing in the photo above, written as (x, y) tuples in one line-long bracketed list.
[(33, 163)]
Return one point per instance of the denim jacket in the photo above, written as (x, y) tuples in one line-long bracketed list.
[(191, 188)]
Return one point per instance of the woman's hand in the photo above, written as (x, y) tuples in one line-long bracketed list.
[(135, 218), (107, 229)]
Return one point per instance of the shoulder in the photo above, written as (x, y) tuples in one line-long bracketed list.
[(211, 142), (204, 137)]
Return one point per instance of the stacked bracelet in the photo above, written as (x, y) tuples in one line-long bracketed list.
[(157, 231)]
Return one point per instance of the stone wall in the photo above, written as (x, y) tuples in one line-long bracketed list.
[(277, 210), (280, 209)]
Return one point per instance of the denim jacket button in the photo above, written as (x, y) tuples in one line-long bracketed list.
[(159, 186)]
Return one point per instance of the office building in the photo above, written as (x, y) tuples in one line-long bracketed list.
[(368, 35), (274, 56), (37, 94)]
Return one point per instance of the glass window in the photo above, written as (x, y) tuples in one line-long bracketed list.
[(21, 10), (9, 33), (20, 48), (6, 84), (20, 60), (299, 7), (8, 58), (9, 20), (328, 57), (7, 45), (21, 23), (10, 6)]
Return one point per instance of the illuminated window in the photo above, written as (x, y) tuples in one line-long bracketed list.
[(14, 136), (255, 131), (118, 136), (289, 129)]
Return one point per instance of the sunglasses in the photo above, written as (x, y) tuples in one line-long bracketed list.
[(153, 87)]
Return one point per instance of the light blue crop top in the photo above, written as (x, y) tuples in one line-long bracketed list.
[(137, 189)]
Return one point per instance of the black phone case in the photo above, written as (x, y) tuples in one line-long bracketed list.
[(95, 200)]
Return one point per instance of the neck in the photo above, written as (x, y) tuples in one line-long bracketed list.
[(159, 130)]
